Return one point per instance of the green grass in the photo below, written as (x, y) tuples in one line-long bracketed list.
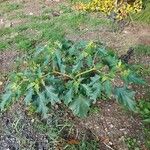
[(9, 7), (143, 16), (84, 145), (144, 111), (5, 31), (142, 49), (132, 143), (49, 29), (3, 45)]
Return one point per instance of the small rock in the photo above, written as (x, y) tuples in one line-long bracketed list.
[(31, 13), (111, 126), (1, 82), (56, 14), (110, 143), (1, 21)]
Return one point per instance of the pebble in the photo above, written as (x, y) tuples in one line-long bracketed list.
[(31, 13), (111, 126)]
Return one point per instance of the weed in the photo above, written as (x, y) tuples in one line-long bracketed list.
[(95, 110), (8, 7), (144, 15), (144, 111), (84, 145), (3, 45), (132, 143), (5, 31), (81, 72), (143, 49)]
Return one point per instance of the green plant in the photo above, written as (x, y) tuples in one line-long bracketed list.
[(132, 143), (75, 74), (84, 145), (144, 110), (143, 49), (116, 9), (8, 7), (144, 15)]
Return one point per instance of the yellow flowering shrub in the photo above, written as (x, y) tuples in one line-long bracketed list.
[(121, 8)]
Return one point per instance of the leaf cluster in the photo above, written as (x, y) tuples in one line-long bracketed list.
[(117, 9), (144, 110), (75, 74)]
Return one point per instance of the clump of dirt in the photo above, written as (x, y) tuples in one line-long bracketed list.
[(17, 131), (119, 41), (112, 125), (7, 58)]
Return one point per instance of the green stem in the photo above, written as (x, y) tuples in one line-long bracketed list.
[(62, 74), (78, 75), (85, 72)]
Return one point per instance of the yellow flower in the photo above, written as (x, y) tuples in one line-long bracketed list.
[(1, 83)]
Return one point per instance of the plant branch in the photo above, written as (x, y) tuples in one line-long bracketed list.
[(62, 74), (85, 72)]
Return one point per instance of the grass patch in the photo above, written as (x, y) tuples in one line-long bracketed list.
[(9, 7), (24, 43), (84, 145), (50, 29), (143, 49), (144, 15), (3, 46), (144, 111), (5, 31)]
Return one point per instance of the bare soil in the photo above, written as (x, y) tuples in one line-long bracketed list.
[(120, 41)]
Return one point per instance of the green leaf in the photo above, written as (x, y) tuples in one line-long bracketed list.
[(59, 61), (28, 97), (107, 88), (62, 68), (111, 61), (39, 50), (47, 60), (67, 44), (68, 97), (58, 57), (41, 102), (102, 51), (89, 61), (147, 120), (125, 97), (77, 67), (135, 79), (87, 89), (72, 50), (5, 99), (94, 79), (80, 106), (97, 88), (53, 97), (81, 45)]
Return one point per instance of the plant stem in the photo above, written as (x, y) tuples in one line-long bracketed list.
[(85, 72), (62, 74)]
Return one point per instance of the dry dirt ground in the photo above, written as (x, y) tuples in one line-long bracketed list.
[(111, 125)]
